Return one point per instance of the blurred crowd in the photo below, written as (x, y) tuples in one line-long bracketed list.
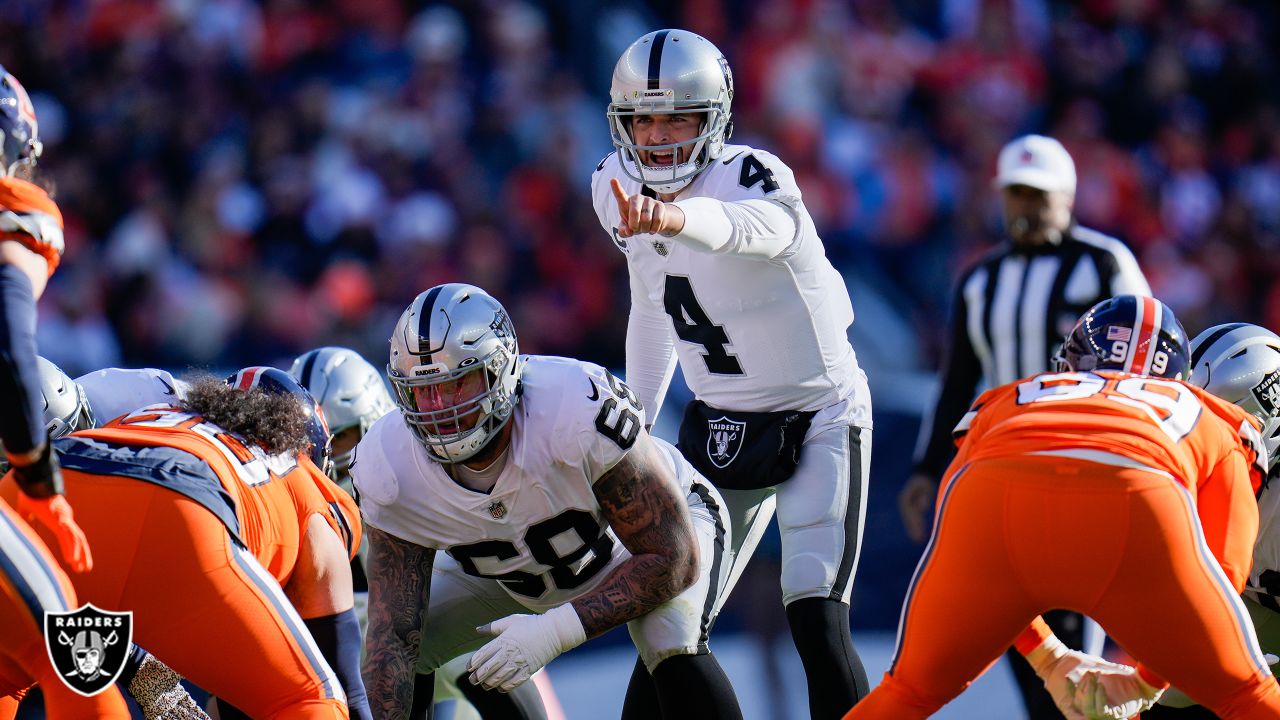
[(245, 179)]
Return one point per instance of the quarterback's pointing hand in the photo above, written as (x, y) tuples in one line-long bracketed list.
[(642, 214)]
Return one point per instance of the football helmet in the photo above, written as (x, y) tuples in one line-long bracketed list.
[(451, 337), (19, 132), (279, 382), (666, 72), (1240, 363), (1130, 333), (349, 390), (66, 407)]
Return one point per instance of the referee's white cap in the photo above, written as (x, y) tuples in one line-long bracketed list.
[(1036, 161)]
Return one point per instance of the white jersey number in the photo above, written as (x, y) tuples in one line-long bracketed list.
[(1173, 407)]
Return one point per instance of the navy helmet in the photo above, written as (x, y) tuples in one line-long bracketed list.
[(1129, 333), (19, 132), (279, 382)]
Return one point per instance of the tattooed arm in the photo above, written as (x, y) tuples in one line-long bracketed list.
[(643, 504), (399, 588)]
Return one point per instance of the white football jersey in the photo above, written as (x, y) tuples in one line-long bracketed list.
[(751, 334), (113, 392), (539, 531)]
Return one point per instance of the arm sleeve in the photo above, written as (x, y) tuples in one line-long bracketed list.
[(651, 358), (959, 380), (1229, 516), (758, 228), (22, 417)]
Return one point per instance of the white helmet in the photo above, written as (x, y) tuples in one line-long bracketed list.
[(666, 72), (445, 334), (350, 392), (66, 407), (1240, 363)]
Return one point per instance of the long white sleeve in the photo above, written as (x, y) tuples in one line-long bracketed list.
[(651, 358), (759, 228)]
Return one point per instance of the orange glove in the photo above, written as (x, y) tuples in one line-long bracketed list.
[(54, 512)]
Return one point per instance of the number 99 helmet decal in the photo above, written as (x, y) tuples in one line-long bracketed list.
[(1129, 333), (455, 369)]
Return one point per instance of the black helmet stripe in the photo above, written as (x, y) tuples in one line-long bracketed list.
[(308, 366), (655, 58), (1209, 341), (424, 321)]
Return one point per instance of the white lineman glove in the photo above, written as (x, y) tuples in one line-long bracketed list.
[(1103, 694), (524, 644), (1055, 663)]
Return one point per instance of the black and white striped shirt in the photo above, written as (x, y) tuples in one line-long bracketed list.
[(1011, 311)]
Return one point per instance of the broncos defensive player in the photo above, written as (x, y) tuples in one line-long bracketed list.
[(537, 478), (730, 279)]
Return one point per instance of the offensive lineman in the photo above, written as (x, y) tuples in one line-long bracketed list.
[(537, 478), (730, 279)]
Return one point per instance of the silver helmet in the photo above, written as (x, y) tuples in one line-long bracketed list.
[(1240, 363), (665, 72), (349, 390), (447, 335), (66, 407)]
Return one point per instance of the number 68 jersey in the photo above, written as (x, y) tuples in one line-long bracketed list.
[(759, 325), (539, 531)]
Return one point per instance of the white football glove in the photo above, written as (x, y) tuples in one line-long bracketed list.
[(1055, 662), (524, 644), (1106, 694)]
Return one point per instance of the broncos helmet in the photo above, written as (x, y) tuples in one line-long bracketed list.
[(1240, 363), (446, 335), (1130, 333), (667, 72), (279, 382), (349, 390), (66, 407), (19, 132)]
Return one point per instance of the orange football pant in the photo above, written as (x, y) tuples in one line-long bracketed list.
[(1016, 537), (31, 583), (200, 603)]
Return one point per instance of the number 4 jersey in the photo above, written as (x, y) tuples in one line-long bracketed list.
[(759, 325), (539, 531)]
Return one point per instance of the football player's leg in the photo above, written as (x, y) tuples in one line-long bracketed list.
[(964, 573), (1204, 643), (459, 604), (673, 639), (31, 584), (821, 513), (749, 512), (204, 605)]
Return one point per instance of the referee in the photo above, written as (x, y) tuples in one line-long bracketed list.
[(1010, 313)]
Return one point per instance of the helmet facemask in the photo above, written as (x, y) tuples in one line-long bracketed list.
[(705, 147), (470, 404)]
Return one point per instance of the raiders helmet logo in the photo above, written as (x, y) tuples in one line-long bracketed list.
[(88, 646), (724, 440), (497, 510), (1267, 392)]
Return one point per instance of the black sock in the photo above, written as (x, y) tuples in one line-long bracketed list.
[(522, 703), (695, 686), (837, 680), (641, 702), (424, 696)]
